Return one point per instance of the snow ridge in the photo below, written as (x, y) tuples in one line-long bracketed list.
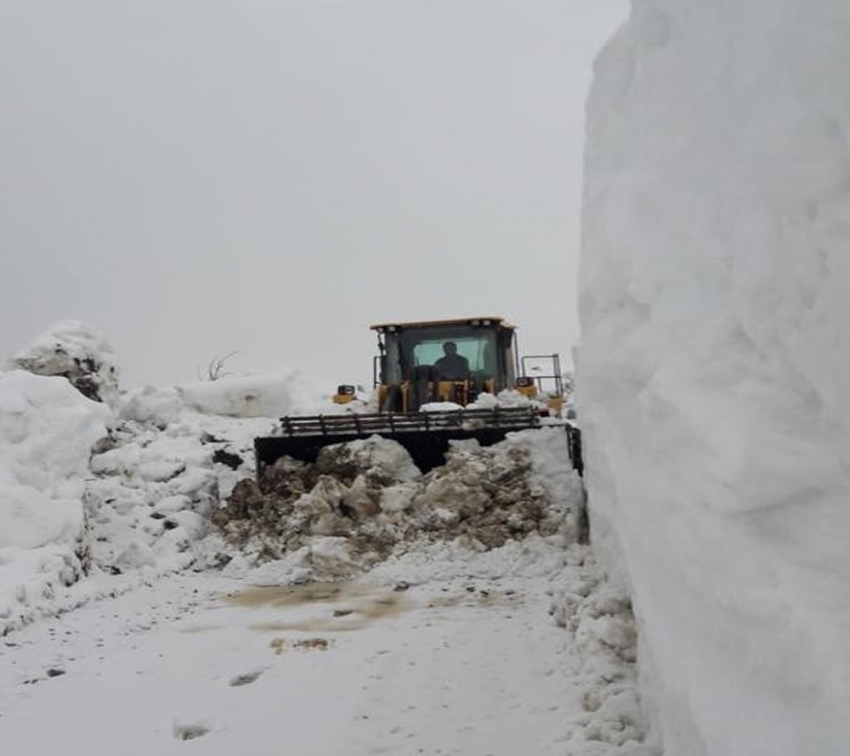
[(715, 363)]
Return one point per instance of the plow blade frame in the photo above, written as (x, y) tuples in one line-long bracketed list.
[(425, 435)]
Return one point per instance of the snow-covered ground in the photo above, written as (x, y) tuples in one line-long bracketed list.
[(155, 596), (471, 663), (713, 371)]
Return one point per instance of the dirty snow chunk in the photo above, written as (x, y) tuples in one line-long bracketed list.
[(552, 473), (293, 567), (523, 484), (320, 559), (398, 498), (486, 496), (262, 395), (446, 515), (379, 459), (75, 351), (334, 557)]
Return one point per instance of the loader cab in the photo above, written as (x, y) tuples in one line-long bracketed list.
[(405, 373)]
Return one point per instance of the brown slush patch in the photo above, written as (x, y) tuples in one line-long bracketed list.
[(343, 606), (279, 645), (312, 644)]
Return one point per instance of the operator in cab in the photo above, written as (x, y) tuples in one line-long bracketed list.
[(452, 366)]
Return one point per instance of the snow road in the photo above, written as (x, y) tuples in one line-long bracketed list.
[(207, 665)]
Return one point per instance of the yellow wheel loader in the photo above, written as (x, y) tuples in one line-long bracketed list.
[(430, 378)]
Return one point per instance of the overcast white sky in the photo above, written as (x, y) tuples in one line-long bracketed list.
[(194, 177)]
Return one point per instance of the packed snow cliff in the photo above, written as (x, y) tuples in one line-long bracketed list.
[(47, 429), (714, 370)]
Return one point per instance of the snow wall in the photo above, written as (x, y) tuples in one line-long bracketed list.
[(47, 429), (714, 371)]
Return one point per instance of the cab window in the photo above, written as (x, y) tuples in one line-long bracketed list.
[(478, 347)]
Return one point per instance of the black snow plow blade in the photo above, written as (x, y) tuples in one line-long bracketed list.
[(425, 435)]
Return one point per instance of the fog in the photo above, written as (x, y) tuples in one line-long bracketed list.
[(197, 178)]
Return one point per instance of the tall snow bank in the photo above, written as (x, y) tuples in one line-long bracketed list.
[(46, 433), (714, 372), (76, 351)]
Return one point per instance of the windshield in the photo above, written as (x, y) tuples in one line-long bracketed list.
[(477, 346), (478, 353)]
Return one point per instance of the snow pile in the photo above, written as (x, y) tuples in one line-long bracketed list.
[(505, 398), (246, 395), (508, 398), (140, 501), (600, 619), (260, 395), (154, 488), (135, 503), (714, 372), (175, 455), (363, 500), (77, 352), (46, 433), (151, 406), (429, 561)]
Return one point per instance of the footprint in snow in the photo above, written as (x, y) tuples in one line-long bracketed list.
[(190, 731), (245, 679)]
